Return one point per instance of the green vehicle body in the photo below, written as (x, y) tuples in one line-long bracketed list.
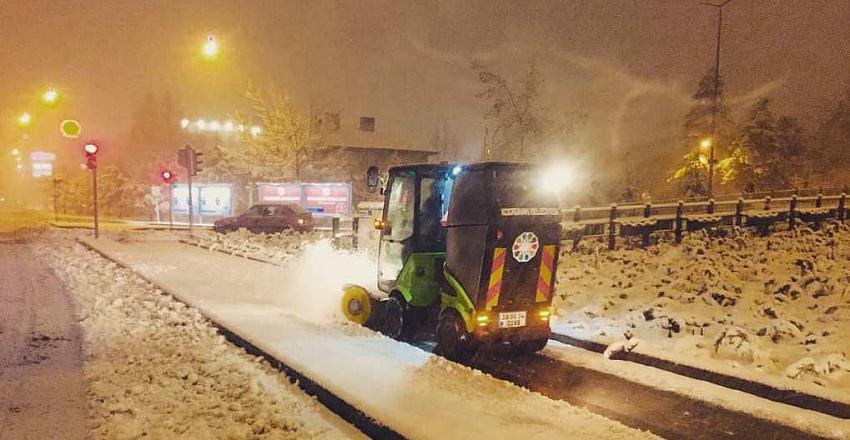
[(422, 289)]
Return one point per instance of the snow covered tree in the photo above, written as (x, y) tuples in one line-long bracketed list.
[(769, 152), (706, 119), (832, 140), (513, 118), (288, 147), (118, 194)]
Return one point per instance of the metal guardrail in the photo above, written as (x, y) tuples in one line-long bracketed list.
[(644, 219)]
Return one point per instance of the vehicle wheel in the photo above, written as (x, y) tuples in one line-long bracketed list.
[(533, 346), (453, 341), (396, 319)]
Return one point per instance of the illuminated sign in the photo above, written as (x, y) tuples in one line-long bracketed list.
[(42, 169), (208, 199), (42, 156), (325, 198), (42, 163)]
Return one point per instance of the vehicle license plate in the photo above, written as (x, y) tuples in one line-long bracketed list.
[(511, 319)]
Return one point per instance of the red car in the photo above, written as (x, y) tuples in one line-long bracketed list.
[(268, 218)]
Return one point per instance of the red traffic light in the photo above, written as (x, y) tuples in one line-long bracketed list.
[(167, 176), (91, 148)]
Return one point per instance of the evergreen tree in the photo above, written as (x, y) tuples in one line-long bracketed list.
[(770, 152), (705, 120), (833, 140)]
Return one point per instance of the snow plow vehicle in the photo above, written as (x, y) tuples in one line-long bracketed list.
[(467, 256)]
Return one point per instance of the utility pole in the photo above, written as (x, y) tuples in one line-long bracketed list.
[(712, 159)]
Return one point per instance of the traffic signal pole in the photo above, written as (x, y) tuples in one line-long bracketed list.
[(94, 193), (190, 159), (91, 150), (191, 212), (170, 206)]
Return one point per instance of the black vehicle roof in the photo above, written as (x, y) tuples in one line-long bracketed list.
[(467, 166), (424, 167)]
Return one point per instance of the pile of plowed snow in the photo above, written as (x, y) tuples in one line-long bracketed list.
[(777, 305), (275, 248), (158, 369)]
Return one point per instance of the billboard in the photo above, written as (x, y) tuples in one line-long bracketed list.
[(208, 199), (324, 198), (42, 163)]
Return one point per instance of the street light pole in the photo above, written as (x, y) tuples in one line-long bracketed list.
[(712, 160)]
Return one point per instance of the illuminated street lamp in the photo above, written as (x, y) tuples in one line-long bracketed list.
[(50, 97), (24, 119), (210, 49), (705, 144), (16, 152)]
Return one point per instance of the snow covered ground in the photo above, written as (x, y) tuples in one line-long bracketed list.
[(773, 309), (290, 313), (158, 369)]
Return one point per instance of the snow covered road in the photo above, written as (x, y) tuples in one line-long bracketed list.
[(42, 386), (413, 392), (666, 413)]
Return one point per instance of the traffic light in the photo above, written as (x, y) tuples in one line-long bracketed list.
[(167, 176), (199, 160), (190, 159), (183, 157), (91, 155)]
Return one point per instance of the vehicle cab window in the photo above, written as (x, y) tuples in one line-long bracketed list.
[(255, 210), (401, 206), (434, 195)]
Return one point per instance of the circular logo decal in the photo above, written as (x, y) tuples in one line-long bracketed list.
[(525, 247)]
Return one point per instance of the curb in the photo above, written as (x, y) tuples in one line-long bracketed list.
[(357, 418), (232, 254), (769, 392)]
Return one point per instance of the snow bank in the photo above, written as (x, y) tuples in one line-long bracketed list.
[(276, 248), (776, 307), (158, 369)]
